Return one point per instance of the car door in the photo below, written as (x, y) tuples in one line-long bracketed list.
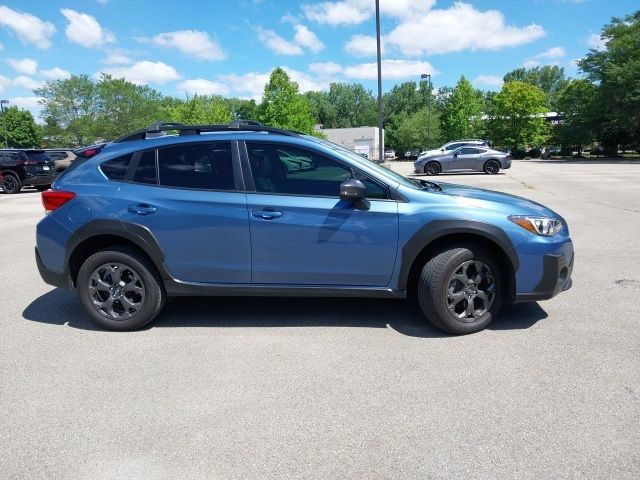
[(467, 158), (303, 234), (191, 199)]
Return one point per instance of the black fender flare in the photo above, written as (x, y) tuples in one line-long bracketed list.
[(441, 228), (137, 234)]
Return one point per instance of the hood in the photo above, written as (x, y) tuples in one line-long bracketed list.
[(430, 153), (496, 201)]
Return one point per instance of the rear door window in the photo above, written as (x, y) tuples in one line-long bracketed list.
[(146, 169), (204, 166)]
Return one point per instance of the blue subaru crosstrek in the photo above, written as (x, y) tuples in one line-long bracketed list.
[(244, 209)]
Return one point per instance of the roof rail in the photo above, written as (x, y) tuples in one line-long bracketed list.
[(236, 125)]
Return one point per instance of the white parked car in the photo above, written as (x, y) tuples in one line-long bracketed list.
[(447, 147), (389, 154)]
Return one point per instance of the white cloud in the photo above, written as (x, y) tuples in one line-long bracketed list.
[(144, 72), (56, 73), (4, 82), (85, 30), (29, 103), (353, 12), (277, 44), (28, 28), (488, 81), (27, 66), (306, 38), (26, 82), (460, 27), (200, 86), (553, 53), (325, 68), (117, 58), (596, 42), (193, 43), (363, 46), (391, 69)]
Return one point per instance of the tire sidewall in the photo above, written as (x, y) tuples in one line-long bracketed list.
[(14, 178), (491, 162), (436, 164), (449, 321), (154, 296)]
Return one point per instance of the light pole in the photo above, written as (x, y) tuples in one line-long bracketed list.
[(4, 123), (380, 130), (423, 77)]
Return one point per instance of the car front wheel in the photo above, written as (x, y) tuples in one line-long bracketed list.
[(432, 168), (460, 289), (119, 289), (11, 183)]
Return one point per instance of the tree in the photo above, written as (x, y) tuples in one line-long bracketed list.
[(22, 130), (70, 108), (355, 106), (201, 110), (616, 68), (549, 78), (516, 116), (242, 108), (123, 107), (462, 116), (283, 107), (419, 131), (577, 104), (322, 110)]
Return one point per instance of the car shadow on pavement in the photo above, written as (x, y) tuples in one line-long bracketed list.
[(61, 307)]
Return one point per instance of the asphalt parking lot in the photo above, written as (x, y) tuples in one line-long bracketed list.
[(317, 388)]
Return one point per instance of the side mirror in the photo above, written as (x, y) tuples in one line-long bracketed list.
[(354, 191)]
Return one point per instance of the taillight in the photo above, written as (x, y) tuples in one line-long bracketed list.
[(52, 199), (88, 152)]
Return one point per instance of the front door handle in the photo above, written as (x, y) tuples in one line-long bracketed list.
[(266, 214), (142, 209)]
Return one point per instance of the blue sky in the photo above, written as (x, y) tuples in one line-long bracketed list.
[(229, 47)]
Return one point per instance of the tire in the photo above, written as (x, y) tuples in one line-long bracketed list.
[(491, 167), (11, 183), (126, 308), (43, 188), (443, 300), (432, 168)]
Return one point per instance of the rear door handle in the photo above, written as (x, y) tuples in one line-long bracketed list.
[(142, 209), (266, 214)]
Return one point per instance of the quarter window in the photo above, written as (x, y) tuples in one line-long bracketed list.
[(116, 168)]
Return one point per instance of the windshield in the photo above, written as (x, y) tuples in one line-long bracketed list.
[(407, 182)]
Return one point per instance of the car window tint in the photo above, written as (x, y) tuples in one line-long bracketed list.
[(206, 166), (295, 171), (116, 168), (468, 151), (146, 169)]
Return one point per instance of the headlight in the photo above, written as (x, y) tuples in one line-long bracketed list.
[(545, 226)]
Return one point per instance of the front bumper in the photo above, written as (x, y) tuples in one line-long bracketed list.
[(556, 278), (51, 277)]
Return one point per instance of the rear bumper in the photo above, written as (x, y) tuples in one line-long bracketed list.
[(38, 179), (556, 278), (51, 277)]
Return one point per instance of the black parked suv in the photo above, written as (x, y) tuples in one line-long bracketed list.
[(22, 167)]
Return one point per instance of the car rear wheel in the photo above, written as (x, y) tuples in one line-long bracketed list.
[(11, 183), (432, 168), (460, 289), (492, 167), (119, 289)]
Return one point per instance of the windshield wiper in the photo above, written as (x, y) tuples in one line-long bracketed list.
[(427, 185)]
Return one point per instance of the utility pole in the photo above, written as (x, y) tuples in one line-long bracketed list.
[(423, 77), (4, 123), (380, 127)]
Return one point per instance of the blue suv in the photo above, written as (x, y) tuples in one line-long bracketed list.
[(244, 209)]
